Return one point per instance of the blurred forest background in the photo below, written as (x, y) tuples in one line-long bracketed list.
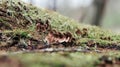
[(103, 13)]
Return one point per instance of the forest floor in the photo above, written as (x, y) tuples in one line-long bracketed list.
[(34, 37)]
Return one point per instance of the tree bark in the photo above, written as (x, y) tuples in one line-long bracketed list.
[(54, 5), (100, 7)]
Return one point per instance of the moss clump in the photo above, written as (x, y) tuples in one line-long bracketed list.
[(18, 15)]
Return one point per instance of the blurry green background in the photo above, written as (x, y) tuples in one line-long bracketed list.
[(85, 11)]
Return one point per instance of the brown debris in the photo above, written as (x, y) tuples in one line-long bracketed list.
[(9, 18), (55, 37), (106, 38), (85, 32), (42, 27), (78, 32), (3, 10)]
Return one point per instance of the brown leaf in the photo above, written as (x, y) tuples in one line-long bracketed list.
[(78, 32), (54, 37), (42, 27)]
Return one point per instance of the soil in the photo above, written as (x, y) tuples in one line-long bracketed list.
[(6, 61)]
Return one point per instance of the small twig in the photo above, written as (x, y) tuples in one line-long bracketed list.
[(52, 50)]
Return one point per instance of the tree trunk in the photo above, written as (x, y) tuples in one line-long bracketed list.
[(99, 6), (54, 5)]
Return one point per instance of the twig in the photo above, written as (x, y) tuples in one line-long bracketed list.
[(49, 50)]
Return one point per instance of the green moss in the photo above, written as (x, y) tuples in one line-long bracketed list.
[(52, 60), (58, 22), (62, 24), (60, 60)]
